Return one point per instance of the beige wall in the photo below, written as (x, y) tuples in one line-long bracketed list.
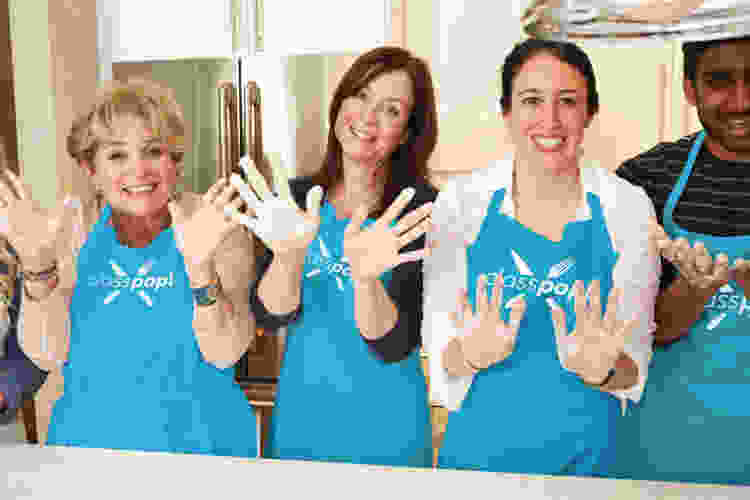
[(54, 58)]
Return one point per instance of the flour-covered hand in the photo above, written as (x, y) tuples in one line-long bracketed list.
[(694, 263), (199, 235), (375, 250), (31, 230), (485, 338), (596, 343), (278, 222)]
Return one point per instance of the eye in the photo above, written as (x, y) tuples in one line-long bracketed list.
[(362, 94), (116, 156), (569, 101), (531, 101), (154, 152)]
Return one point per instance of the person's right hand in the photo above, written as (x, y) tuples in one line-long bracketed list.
[(487, 339), (694, 263), (30, 230), (278, 222)]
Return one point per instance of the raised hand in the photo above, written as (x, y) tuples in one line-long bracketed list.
[(592, 349), (31, 231), (486, 338), (375, 250), (279, 222), (662, 11), (694, 263), (199, 235)]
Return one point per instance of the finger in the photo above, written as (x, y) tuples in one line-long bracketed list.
[(413, 256), (6, 194), (16, 183), (667, 249), (397, 206), (497, 295), (610, 316), (251, 198), (517, 310), (414, 233), (226, 194), (464, 307), (255, 179), (313, 200), (177, 212), (682, 250), (214, 190), (741, 269), (595, 299), (482, 304), (413, 218), (703, 259), (579, 304), (721, 268), (358, 218), (558, 320)]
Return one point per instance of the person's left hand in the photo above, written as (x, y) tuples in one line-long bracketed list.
[(199, 236), (592, 349), (374, 250)]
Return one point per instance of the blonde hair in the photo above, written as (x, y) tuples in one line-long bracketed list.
[(143, 99)]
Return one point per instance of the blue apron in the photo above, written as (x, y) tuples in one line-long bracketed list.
[(527, 414), (336, 401), (135, 378), (692, 422)]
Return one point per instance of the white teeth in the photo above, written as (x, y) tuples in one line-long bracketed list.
[(739, 123), (139, 189), (549, 143)]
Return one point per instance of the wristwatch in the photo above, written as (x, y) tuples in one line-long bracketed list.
[(606, 380), (207, 295)]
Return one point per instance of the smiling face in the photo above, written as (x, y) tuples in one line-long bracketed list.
[(134, 169), (548, 112), (721, 95), (371, 124)]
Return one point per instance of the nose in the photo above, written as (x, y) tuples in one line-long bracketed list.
[(369, 113), (141, 165), (551, 114)]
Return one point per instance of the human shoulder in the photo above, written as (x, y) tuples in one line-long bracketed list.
[(657, 164)]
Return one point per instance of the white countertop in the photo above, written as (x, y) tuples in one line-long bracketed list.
[(50, 472)]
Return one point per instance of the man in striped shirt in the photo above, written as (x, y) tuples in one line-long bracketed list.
[(691, 423)]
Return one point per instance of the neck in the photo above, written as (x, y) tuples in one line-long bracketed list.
[(361, 183), (539, 185), (139, 230), (722, 153)]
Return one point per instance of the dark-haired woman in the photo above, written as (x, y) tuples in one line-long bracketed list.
[(532, 376), (348, 279)]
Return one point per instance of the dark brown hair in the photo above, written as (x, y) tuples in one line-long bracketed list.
[(408, 162), (692, 51), (566, 52)]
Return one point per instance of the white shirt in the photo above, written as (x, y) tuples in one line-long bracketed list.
[(457, 217)]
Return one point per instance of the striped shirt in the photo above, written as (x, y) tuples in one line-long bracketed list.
[(716, 199)]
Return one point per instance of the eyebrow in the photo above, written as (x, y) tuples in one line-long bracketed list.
[(146, 142), (537, 91)]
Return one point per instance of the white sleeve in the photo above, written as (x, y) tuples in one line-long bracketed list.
[(637, 274), (444, 275)]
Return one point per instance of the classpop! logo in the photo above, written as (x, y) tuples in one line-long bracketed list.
[(139, 284), (526, 281), (325, 264), (725, 302)]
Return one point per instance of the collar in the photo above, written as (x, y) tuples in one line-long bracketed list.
[(503, 173)]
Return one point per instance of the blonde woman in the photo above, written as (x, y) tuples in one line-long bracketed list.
[(144, 302)]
